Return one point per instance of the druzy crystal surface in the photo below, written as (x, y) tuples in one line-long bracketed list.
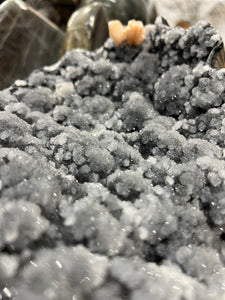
[(112, 173)]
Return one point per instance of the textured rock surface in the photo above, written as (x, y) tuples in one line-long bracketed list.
[(189, 12), (112, 174), (28, 41)]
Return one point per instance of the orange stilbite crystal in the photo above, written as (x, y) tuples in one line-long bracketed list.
[(133, 33), (116, 32)]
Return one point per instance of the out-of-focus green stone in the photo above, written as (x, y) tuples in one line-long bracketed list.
[(27, 41), (87, 28)]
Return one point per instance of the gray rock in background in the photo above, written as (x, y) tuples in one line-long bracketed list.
[(28, 41)]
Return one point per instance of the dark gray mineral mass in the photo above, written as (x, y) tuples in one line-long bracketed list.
[(112, 173)]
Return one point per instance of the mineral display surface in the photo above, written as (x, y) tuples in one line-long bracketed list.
[(112, 173), (27, 41)]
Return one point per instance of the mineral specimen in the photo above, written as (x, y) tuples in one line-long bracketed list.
[(186, 13), (133, 34), (28, 41), (87, 28), (112, 173)]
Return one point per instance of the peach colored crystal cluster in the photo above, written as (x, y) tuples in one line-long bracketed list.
[(132, 34)]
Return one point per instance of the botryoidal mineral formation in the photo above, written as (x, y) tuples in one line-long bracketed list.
[(113, 174)]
